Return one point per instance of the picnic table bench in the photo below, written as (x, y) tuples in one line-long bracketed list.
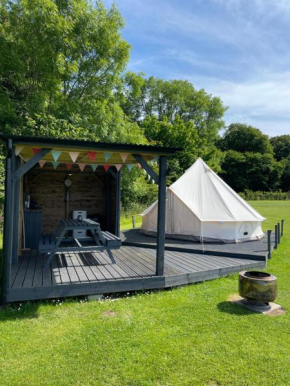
[(52, 243)]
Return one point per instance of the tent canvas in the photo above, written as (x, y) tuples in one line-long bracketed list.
[(201, 206)]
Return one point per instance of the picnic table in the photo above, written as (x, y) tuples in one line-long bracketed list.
[(103, 241)]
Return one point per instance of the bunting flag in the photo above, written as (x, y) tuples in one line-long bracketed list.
[(92, 155), (156, 158), (124, 156), (41, 163), (106, 167), (107, 156), (94, 167), (73, 155), (35, 150), (55, 164), (55, 154), (130, 166), (139, 166), (68, 166), (18, 149), (118, 167), (82, 166)]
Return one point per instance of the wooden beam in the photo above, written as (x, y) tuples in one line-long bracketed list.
[(8, 226), (161, 216), (30, 163), (146, 167)]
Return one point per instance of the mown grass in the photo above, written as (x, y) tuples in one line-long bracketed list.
[(186, 336)]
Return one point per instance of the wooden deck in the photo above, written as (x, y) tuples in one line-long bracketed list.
[(75, 274), (250, 248)]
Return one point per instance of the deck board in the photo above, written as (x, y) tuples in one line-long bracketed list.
[(133, 269)]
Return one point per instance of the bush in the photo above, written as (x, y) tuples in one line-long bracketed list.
[(259, 195)]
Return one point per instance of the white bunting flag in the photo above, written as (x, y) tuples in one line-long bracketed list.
[(118, 167), (18, 149), (41, 163), (73, 155)]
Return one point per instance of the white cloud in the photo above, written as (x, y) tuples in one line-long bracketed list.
[(263, 102)]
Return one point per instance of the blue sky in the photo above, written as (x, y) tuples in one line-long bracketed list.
[(238, 50)]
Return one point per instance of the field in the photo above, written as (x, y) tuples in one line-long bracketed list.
[(186, 336)]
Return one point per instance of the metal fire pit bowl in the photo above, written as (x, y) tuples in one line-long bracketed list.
[(258, 287)]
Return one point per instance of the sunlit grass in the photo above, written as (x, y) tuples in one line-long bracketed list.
[(186, 336)]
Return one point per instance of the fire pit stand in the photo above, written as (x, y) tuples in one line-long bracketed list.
[(258, 291)]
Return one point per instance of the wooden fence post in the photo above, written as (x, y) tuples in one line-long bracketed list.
[(269, 244), (133, 222), (276, 237), (282, 227), (279, 233)]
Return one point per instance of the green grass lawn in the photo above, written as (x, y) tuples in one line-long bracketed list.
[(186, 336)]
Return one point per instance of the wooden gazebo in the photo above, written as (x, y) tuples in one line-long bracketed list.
[(45, 181)]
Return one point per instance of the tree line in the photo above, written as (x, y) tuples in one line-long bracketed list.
[(63, 74)]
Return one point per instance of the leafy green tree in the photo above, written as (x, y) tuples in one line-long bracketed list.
[(244, 138), (168, 99), (62, 59), (285, 178), (253, 171), (174, 113), (281, 146)]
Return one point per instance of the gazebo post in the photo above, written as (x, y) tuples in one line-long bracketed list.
[(161, 216), (118, 201), (8, 225), (16, 192)]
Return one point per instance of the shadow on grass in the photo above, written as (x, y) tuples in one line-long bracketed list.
[(233, 309), (18, 311)]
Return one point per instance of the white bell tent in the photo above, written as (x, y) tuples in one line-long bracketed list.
[(201, 206)]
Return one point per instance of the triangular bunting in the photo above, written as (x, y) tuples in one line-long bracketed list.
[(94, 167), (18, 149), (139, 166), (55, 164), (35, 150), (124, 156), (55, 154), (107, 156), (73, 155), (106, 167), (68, 166), (41, 163), (82, 166), (92, 155), (130, 166), (118, 167)]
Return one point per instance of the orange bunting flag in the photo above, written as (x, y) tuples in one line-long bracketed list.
[(82, 166), (118, 167), (124, 156), (92, 155), (41, 163)]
